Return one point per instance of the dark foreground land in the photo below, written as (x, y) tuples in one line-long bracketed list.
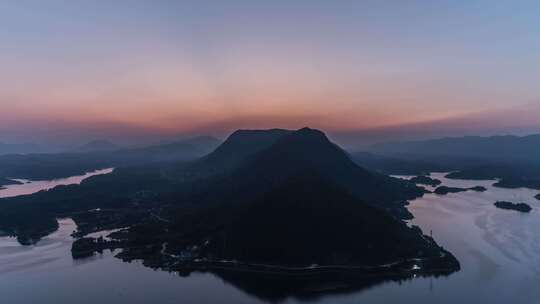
[(443, 190), (425, 180), (521, 207)]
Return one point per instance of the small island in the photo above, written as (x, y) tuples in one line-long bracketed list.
[(521, 207), (425, 180), (478, 189), (443, 190), (7, 182)]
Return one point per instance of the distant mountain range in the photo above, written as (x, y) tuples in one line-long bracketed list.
[(19, 148), (512, 159), (495, 148), (185, 149), (100, 155), (399, 165)]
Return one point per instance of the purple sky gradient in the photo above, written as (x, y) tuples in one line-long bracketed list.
[(136, 70)]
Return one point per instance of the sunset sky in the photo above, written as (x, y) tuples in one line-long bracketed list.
[(77, 69)]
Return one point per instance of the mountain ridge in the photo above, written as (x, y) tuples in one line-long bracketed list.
[(502, 147)]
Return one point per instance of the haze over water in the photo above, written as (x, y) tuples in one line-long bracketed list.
[(499, 252)]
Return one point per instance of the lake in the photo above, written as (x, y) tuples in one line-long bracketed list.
[(29, 187), (499, 251)]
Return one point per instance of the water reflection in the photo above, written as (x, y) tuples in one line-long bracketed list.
[(279, 288), (48, 252)]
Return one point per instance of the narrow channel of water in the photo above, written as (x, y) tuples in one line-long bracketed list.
[(29, 187)]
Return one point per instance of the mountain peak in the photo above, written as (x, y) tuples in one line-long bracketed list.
[(256, 134), (305, 146), (309, 133), (308, 129), (238, 146)]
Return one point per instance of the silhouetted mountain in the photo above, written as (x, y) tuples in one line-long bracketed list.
[(293, 198), (186, 149), (205, 144), (513, 159), (97, 146), (238, 147), (278, 155), (308, 150), (299, 202), (396, 165)]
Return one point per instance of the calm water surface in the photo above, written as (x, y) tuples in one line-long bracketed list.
[(29, 187), (499, 251)]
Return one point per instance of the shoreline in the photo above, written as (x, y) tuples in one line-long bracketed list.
[(409, 266), (445, 264)]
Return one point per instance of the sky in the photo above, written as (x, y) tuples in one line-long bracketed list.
[(79, 69)]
